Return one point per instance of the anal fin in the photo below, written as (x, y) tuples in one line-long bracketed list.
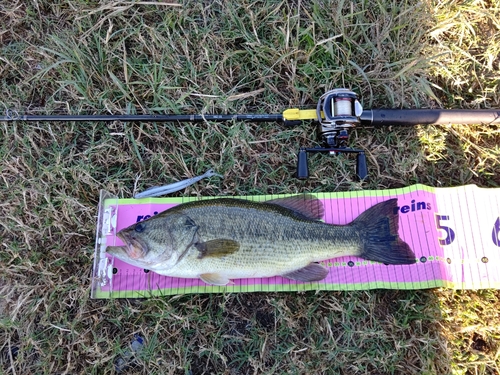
[(311, 272)]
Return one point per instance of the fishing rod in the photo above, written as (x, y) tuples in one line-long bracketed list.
[(338, 111)]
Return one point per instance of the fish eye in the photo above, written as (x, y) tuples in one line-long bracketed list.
[(139, 227)]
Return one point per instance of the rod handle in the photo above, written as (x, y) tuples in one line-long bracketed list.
[(410, 117)]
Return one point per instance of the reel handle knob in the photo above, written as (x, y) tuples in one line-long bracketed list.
[(361, 168), (302, 167)]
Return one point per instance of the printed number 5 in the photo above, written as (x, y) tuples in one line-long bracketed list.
[(450, 233)]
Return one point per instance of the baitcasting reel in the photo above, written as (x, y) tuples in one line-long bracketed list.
[(337, 112)]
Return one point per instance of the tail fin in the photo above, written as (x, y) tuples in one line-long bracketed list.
[(379, 227)]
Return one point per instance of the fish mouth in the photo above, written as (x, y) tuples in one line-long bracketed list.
[(134, 247), (118, 251)]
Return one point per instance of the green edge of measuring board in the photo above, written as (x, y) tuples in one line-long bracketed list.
[(276, 288)]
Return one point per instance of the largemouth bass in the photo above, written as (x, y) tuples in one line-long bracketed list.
[(221, 239)]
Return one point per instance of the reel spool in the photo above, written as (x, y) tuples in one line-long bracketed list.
[(338, 111)]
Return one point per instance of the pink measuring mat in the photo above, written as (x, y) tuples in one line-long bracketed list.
[(454, 233)]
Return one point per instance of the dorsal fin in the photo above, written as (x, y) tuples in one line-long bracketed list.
[(307, 205)]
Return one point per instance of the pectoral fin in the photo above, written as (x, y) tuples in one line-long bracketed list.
[(214, 279), (311, 272), (217, 248)]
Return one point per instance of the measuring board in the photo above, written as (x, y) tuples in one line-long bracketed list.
[(454, 233)]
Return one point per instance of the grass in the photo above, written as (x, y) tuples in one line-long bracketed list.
[(82, 56)]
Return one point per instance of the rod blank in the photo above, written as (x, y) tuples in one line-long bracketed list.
[(146, 118), (372, 117)]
